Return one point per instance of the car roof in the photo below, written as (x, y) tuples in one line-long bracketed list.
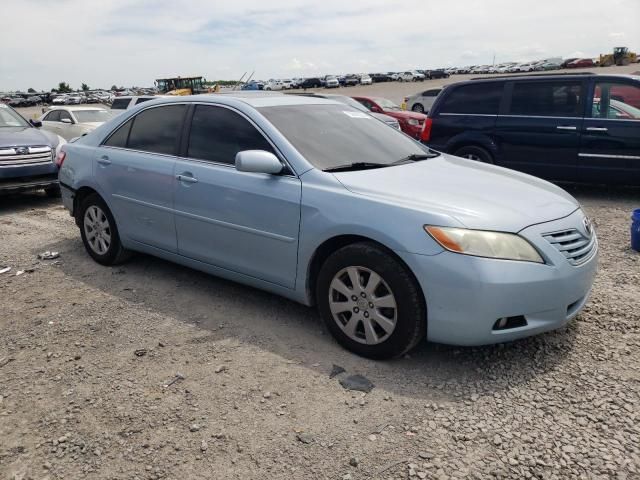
[(255, 99), (75, 107), (548, 76)]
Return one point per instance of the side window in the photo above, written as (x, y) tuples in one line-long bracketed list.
[(143, 99), (620, 101), (366, 103), (431, 93), (156, 130), (65, 115), (550, 99), (120, 136), (53, 116), (217, 134), (479, 98)]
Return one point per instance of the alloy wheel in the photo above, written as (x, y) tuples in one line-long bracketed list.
[(363, 305), (97, 230)]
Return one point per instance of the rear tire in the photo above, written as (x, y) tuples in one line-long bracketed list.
[(473, 152), (388, 316), (99, 232), (417, 107)]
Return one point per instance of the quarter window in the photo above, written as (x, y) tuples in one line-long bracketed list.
[(156, 130), (478, 98), (618, 101), (218, 134), (547, 99)]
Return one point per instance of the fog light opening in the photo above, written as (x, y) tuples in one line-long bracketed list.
[(506, 323)]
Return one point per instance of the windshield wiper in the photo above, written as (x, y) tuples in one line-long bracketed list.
[(414, 157), (355, 166)]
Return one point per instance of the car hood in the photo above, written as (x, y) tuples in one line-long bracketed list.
[(401, 114), (475, 195), (90, 124), (26, 136)]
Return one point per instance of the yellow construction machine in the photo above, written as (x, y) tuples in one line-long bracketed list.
[(620, 56), (182, 86)]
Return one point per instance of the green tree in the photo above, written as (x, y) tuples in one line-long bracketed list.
[(85, 87), (63, 87), (31, 90)]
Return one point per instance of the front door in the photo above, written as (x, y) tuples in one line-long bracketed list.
[(135, 170), (539, 133), (610, 145), (243, 222)]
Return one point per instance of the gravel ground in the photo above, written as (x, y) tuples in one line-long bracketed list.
[(87, 352)]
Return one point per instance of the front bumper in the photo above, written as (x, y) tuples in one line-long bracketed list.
[(467, 295)]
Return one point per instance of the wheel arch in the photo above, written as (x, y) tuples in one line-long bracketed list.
[(331, 245)]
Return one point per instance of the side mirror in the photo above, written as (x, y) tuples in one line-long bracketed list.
[(258, 161), (66, 120), (35, 123)]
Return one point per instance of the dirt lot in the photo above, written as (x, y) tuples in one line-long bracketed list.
[(86, 352)]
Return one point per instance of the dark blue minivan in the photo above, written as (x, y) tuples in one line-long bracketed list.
[(577, 128)]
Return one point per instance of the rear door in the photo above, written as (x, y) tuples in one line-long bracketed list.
[(135, 168), (538, 131), (610, 144), (243, 222)]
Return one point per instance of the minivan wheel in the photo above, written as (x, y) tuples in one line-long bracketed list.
[(99, 232), (473, 152), (417, 107), (370, 302)]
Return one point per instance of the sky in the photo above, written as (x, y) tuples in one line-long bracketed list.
[(133, 42)]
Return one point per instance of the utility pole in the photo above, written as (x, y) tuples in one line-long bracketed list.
[(494, 59)]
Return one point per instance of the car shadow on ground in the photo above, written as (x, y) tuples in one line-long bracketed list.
[(225, 309), (20, 202)]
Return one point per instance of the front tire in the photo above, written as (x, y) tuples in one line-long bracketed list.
[(370, 302), (417, 107), (473, 152), (99, 232)]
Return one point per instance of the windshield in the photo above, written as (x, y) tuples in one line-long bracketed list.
[(329, 136), (85, 116), (386, 104), (10, 118), (349, 101)]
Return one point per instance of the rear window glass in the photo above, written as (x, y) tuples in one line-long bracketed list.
[(143, 99), (480, 98), (120, 103), (551, 99)]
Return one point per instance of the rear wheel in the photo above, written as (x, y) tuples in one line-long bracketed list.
[(370, 302), (417, 107), (99, 232), (473, 152)]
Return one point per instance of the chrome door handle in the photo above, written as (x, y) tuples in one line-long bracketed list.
[(186, 178), (566, 127), (104, 160), (597, 129)]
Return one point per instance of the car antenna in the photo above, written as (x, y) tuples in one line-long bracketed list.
[(239, 80)]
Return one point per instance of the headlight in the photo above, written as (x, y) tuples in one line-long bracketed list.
[(507, 246), (413, 121)]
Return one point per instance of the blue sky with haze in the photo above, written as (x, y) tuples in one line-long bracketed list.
[(132, 42)]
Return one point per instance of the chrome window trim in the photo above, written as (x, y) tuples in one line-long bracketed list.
[(598, 119), (280, 156), (469, 114), (542, 116), (606, 155)]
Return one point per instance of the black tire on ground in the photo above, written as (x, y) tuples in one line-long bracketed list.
[(411, 321), (53, 192), (473, 152), (116, 253), (417, 107)]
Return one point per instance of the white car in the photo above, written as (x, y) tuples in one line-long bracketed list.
[(274, 85), (411, 76), (72, 122), (287, 83), (59, 100), (331, 82), (365, 79), (75, 100)]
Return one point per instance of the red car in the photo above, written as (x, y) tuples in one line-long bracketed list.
[(411, 123), (581, 63)]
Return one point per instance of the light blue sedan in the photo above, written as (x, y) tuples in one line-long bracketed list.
[(321, 203)]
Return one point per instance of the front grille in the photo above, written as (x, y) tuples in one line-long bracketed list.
[(25, 156), (573, 244)]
